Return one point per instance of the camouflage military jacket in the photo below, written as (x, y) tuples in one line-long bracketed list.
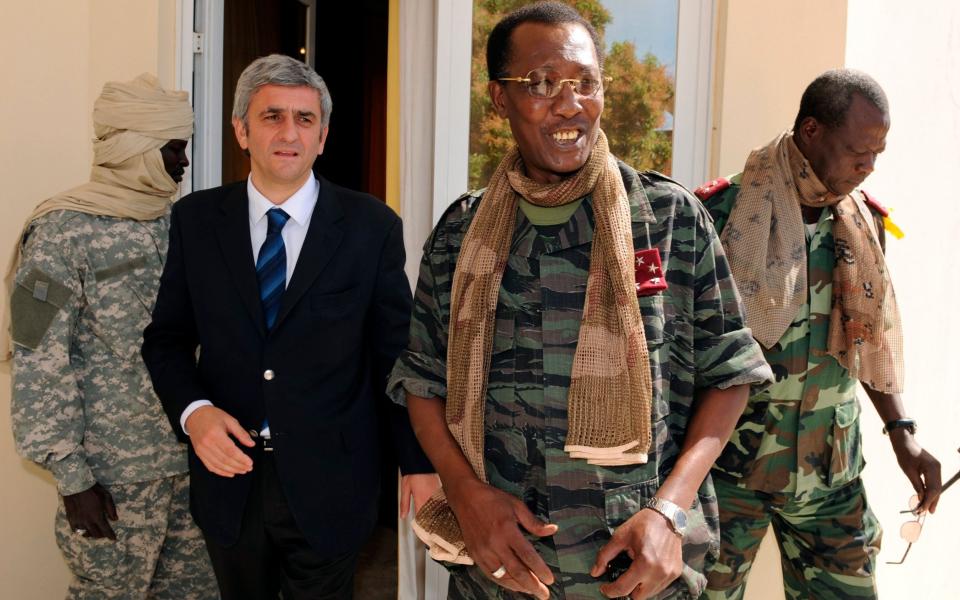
[(82, 404), (695, 336), (801, 435)]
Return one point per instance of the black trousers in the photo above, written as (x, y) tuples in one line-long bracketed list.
[(272, 555)]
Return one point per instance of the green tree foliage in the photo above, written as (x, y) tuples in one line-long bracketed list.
[(635, 102)]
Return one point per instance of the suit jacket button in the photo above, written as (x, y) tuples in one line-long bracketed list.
[(268, 375)]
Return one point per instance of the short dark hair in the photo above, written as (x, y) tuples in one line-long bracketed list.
[(548, 13), (828, 97)]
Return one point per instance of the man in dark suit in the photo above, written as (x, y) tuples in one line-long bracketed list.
[(294, 291)]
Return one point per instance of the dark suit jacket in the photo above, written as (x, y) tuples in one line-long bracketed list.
[(343, 320)]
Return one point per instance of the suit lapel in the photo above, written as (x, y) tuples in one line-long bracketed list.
[(323, 238), (233, 233)]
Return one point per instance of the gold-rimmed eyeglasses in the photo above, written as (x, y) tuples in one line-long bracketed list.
[(546, 83), (910, 531)]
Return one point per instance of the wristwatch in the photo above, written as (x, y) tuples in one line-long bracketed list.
[(908, 424), (671, 512)]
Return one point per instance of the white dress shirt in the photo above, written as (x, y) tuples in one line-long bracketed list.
[(300, 208)]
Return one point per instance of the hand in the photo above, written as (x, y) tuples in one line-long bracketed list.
[(489, 519), (421, 486), (210, 430), (655, 549), (89, 510), (920, 467)]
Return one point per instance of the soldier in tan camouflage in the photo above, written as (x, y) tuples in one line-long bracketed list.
[(806, 250), (82, 284), (540, 501)]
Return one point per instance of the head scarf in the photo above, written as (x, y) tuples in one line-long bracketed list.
[(132, 121)]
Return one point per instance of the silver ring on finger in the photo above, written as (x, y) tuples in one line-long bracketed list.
[(80, 531), (499, 573)]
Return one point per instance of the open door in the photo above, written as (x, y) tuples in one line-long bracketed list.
[(346, 42)]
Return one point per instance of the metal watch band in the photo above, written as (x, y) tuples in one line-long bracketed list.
[(909, 424), (673, 514)]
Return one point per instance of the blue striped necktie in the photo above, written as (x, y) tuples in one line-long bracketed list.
[(272, 266)]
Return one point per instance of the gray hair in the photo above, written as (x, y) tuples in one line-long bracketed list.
[(278, 69)]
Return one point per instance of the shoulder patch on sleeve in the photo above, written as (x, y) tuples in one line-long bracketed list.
[(34, 304), (874, 204), (711, 188)]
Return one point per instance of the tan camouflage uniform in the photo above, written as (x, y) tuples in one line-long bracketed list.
[(795, 458), (83, 407)]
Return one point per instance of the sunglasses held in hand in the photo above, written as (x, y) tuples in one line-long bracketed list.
[(910, 531)]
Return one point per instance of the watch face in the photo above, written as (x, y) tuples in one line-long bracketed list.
[(680, 518)]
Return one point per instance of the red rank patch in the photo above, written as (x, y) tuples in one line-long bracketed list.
[(711, 188), (648, 272)]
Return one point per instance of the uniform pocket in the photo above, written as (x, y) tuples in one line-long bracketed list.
[(101, 561), (846, 454), (122, 299), (654, 324), (651, 309)]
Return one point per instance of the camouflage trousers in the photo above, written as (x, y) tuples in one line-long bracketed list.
[(828, 546), (159, 551)]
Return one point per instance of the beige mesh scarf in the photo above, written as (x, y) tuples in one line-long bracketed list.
[(765, 244), (609, 400), (132, 121)]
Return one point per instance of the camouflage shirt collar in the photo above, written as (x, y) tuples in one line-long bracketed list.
[(640, 211)]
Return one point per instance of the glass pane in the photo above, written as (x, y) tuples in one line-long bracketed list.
[(640, 49)]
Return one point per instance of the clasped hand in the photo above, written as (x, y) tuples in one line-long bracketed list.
[(655, 551)]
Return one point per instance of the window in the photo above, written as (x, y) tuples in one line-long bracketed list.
[(640, 39)]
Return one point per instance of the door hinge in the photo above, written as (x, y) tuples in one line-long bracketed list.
[(197, 43)]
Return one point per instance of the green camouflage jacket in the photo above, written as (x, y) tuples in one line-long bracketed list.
[(82, 404), (801, 435), (696, 339)]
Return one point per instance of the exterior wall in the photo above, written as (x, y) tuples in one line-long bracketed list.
[(57, 57), (767, 54), (913, 50)]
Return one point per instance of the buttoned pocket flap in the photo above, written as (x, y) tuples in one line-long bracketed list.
[(846, 413)]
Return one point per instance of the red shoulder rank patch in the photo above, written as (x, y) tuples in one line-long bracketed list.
[(648, 272), (874, 203), (712, 188)]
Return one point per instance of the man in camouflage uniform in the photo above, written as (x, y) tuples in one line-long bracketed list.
[(795, 458), (696, 341), (89, 265)]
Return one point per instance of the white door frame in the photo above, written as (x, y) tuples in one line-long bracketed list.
[(200, 70), (693, 102)]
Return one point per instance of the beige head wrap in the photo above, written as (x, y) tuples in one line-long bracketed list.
[(765, 245), (132, 121)]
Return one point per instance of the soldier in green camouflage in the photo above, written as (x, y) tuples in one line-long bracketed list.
[(795, 458), (697, 347), (87, 268)]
